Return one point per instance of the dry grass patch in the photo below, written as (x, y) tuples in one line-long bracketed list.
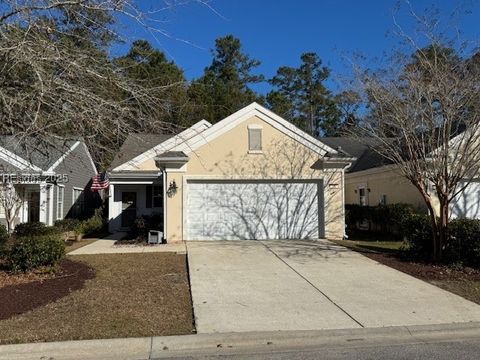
[(132, 295)]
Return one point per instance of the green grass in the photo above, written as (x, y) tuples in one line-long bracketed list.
[(382, 246)]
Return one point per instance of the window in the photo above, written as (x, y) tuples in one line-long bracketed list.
[(60, 200), (157, 198), (154, 196), (362, 196), (383, 200), (254, 139), (78, 202)]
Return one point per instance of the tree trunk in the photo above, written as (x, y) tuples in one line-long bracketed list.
[(9, 221), (436, 225), (442, 229)]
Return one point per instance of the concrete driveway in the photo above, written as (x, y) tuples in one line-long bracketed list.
[(297, 285)]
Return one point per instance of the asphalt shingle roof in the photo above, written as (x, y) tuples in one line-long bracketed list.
[(367, 158), (38, 152), (137, 144)]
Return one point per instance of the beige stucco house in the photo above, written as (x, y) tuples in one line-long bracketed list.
[(253, 175), (373, 180)]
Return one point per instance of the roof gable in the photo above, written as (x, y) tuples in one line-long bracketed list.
[(35, 155), (264, 114)]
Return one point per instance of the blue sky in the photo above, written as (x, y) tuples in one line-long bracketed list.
[(276, 32)]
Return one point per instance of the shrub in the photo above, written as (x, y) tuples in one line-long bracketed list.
[(93, 225), (67, 224), (143, 224), (139, 228), (387, 219), (463, 245), (34, 229), (30, 228), (3, 234), (31, 252), (417, 233)]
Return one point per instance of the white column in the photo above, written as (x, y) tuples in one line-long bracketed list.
[(43, 202), (111, 209), (50, 205)]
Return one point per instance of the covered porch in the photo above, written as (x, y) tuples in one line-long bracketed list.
[(133, 195), (34, 202)]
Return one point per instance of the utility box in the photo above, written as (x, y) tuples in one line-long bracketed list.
[(155, 237)]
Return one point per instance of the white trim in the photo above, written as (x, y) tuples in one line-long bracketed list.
[(266, 115), (194, 130), (111, 204), (255, 126), (375, 170), (63, 202), (50, 205), (131, 182), (42, 216), (90, 158), (61, 158), (16, 160)]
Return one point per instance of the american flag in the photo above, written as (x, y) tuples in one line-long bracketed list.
[(100, 182)]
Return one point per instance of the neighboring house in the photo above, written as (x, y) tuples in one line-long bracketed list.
[(252, 175), (373, 180), (51, 181)]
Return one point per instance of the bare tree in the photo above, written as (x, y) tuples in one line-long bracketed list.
[(10, 201), (425, 118), (56, 76)]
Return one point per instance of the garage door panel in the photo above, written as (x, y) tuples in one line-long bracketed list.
[(256, 210)]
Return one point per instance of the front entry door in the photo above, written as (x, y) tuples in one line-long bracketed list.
[(129, 208), (34, 206)]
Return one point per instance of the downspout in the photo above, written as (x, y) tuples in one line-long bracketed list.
[(164, 180), (345, 236)]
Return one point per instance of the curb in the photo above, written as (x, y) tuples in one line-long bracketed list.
[(168, 346)]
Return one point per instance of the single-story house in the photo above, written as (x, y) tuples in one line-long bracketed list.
[(50, 180), (373, 180), (252, 175)]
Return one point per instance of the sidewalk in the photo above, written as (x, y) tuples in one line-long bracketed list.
[(107, 246), (171, 346)]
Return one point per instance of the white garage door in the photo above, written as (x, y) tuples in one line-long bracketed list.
[(255, 210)]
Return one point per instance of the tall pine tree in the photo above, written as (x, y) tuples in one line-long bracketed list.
[(300, 96), (225, 85)]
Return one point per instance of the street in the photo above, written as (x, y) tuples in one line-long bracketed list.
[(455, 349)]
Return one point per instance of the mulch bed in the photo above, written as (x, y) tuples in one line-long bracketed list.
[(425, 271), (27, 295)]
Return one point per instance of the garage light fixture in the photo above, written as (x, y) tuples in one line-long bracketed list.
[(172, 188)]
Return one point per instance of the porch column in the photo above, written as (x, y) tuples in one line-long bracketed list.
[(50, 205), (111, 210), (43, 202)]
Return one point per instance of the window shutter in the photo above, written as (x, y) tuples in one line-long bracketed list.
[(148, 204)]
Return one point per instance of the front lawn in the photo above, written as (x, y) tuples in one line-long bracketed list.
[(461, 281), (131, 295)]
